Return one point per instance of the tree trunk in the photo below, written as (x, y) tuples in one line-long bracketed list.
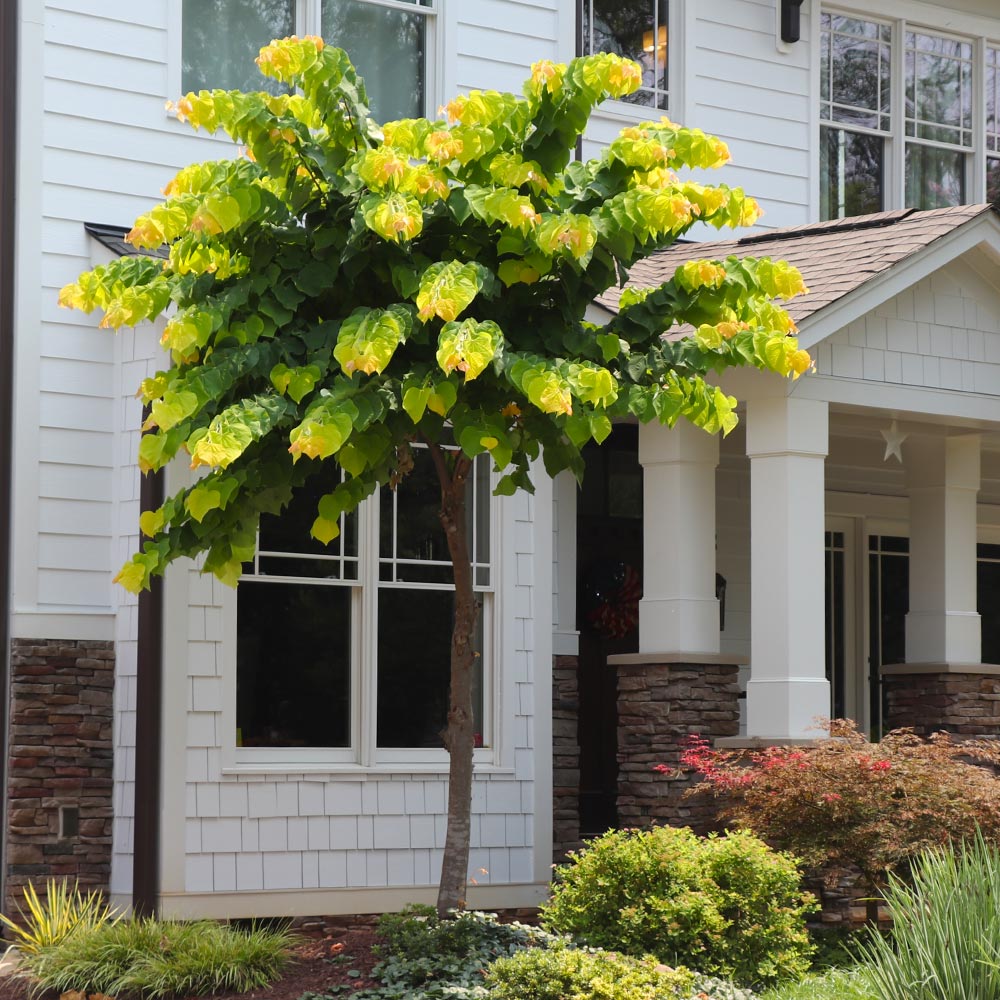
[(459, 736)]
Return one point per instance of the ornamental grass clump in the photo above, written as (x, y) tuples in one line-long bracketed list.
[(64, 911), (945, 941), (158, 958), (725, 905), (844, 801)]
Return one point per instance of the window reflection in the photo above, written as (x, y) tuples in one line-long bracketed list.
[(635, 29), (221, 38)]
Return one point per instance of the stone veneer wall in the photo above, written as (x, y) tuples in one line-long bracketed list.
[(565, 757), (659, 706), (966, 704), (59, 756)]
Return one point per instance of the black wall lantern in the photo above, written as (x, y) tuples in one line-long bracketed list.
[(720, 594), (790, 31)]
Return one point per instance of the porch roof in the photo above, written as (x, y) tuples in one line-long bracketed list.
[(835, 257)]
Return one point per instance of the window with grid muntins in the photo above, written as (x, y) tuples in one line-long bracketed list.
[(906, 116), (387, 41)]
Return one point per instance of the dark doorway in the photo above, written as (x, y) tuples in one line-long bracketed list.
[(609, 581)]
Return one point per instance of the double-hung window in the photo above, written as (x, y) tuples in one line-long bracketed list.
[(909, 116), (855, 68), (343, 650), (388, 41), (635, 29)]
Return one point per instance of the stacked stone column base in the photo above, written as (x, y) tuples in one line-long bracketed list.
[(565, 757), (663, 699), (963, 699), (59, 759)]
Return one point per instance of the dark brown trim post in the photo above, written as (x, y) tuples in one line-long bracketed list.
[(9, 21), (148, 729)]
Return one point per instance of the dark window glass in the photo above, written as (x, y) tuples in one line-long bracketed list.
[(414, 665), (935, 178), (294, 657), (993, 181), (220, 40), (993, 100), (836, 634), (855, 72), (388, 48), (852, 171), (635, 29), (989, 605), (889, 601)]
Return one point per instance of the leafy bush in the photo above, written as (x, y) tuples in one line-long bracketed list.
[(559, 972), (833, 984), (945, 942), (64, 912), (727, 905), (158, 958), (425, 956), (845, 801)]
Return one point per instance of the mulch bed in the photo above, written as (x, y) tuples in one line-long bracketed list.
[(317, 965)]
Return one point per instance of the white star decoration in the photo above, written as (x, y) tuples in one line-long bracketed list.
[(894, 439)]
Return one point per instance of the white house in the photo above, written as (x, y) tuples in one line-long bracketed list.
[(850, 528)]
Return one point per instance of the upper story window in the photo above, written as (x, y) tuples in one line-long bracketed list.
[(636, 29), (993, 125), (343, 650), (904, 120), (386, 39), (855, 74)]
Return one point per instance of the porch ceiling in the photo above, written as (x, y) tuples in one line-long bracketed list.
[(856, 460)]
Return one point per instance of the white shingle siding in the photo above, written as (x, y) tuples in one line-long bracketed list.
[(942, 333)]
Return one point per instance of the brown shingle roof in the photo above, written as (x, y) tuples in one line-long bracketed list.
[(834, 257)]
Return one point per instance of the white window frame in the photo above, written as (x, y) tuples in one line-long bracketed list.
[(903, 16), (675, 53), (363, 753), (307, 22)]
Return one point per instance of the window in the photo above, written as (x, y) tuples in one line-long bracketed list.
[(939, 131), (386, 39), (636, 29), (993, 126), (901, 118), (855, 68), (344, 650)]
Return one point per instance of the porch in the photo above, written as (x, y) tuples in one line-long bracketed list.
[(837, 556)]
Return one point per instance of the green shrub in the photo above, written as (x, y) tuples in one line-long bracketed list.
[(63, 912), (833, 984), (728, 905), (561, 971), (158, 958), (424, 956), (945, 941)]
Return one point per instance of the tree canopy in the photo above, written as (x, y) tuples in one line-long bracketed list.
[(346, 286)]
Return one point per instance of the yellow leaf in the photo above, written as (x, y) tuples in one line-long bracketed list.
[(150, 522), (324, 530)]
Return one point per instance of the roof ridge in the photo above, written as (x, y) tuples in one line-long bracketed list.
[(850, 224)]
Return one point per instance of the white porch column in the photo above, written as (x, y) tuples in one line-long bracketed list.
[(943, 479), (678, 612), (787, 441)]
